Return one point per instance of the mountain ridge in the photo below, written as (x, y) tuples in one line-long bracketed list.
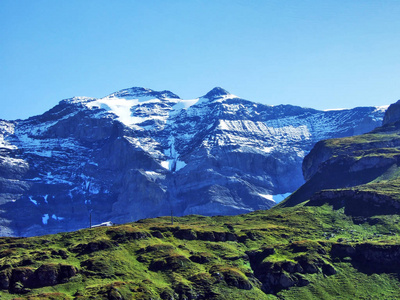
[(335, 236), (140, 153)]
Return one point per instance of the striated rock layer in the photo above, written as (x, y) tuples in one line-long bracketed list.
[(138, 153)]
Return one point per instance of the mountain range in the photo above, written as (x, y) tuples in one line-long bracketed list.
[(139, 153), (336, 237)]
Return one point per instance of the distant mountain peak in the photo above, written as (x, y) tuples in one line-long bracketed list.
[(216, 92), (142, 92), (138, 153)]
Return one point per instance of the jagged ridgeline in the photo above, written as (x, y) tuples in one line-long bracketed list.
[(336, 237), (138, 153)]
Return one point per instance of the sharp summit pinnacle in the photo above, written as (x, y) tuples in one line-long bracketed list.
[(216, 92)]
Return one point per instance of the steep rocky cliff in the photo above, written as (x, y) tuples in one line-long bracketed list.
[(138, 153), (392, 114), (359, 173)]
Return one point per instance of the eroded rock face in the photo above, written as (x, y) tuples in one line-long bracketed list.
[(392, 114), (21, 279), (323, 155), (379, 258), (357, 203), (231, 276), (276, 276), (139, 153)]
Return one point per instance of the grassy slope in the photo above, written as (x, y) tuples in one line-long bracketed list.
[(138, 265)]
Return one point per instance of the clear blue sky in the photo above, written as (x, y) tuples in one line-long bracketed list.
[(314, 53)]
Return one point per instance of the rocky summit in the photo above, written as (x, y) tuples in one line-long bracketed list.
[(139, 153)]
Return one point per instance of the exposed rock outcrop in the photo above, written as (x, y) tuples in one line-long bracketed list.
[(21, 279), (356, 202), (370, 257), (392, 114), (276, 276), (212, 236)]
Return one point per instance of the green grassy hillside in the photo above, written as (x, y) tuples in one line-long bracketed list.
[(299, 252)]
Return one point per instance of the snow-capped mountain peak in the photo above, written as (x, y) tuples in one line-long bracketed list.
[(140, 153), (136, 105), (139, 92), (218, 93)]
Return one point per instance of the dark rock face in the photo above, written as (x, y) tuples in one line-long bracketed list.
[(121, 235), (186, 234), (21, 279), (170, 263), (139, 153), (200, 259), (374, 257), (231, 276), (216, 92), (392, 114), (212, 236), (93, 247), (357, 203), (277, 276)]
